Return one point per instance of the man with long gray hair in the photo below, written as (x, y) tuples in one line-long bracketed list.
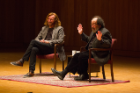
[(100, 37)]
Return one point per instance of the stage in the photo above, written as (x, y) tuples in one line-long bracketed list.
[(125, 68)]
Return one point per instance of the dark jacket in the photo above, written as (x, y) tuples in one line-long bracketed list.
[(101, 57)]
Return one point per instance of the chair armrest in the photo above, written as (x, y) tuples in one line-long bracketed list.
[(60, 44), (98, 49), (56, 45)]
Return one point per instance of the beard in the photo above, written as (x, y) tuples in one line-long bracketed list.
[(50, 24), (94, 30)]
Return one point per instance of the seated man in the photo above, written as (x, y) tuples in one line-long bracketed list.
[(43, 44), (100, 37)]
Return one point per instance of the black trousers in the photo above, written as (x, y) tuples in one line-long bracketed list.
[(36, 48), (79, 63)]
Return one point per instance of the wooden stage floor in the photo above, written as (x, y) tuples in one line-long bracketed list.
[(125, 68)]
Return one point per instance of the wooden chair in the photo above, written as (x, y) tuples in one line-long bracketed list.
[(95, 67), (92, 61), (51, 56)]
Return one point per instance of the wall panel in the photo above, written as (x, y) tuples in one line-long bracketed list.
[(21, 21)]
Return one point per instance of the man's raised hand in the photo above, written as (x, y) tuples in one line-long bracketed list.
[(80, 29), (99, 35)]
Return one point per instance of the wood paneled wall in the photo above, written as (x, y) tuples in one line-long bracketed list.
[(21, 21), (17, 23)]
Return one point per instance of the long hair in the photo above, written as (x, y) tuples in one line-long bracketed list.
[(56, 22)]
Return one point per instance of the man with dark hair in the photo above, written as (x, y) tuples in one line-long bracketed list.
[(100, 37), (43, 44)]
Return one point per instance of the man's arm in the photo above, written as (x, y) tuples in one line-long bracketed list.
[(80, 31), (106, 40), (39, 37), (84, 37), (60, 37)]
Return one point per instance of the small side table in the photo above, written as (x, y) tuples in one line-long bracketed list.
[(94, 67)]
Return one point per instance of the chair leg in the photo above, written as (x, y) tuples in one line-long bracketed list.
[(103, 72), (55, 62), (96, 74), (62, 65), (40, 66), (112, 74), (89, 70)]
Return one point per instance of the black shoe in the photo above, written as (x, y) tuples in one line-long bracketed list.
[(17, 63), (59, 75), (29, 74), (82, 77)]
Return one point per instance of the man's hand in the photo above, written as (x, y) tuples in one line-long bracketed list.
[(80, 29), (44, 41), (99, 35)]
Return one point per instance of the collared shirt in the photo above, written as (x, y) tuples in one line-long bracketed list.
[(49, 34)]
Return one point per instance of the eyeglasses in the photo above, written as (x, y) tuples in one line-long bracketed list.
[(94, 24)]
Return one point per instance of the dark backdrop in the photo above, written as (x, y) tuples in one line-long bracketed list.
[(21, 21)]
